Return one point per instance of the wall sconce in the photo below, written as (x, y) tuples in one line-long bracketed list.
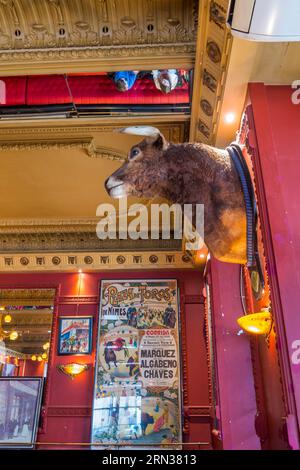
[(256, 323), (73, 370)]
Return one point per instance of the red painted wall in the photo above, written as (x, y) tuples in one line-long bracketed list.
[(66, 415), (32, 368), (276, 124), (237, 401), (270, 422)]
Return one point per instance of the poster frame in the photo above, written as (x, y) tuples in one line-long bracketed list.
[(178, 446), (37, 412)]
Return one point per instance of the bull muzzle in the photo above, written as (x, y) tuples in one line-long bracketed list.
[(115, 186)]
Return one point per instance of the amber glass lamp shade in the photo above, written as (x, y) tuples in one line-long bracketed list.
[(256, 323), (73, 369)]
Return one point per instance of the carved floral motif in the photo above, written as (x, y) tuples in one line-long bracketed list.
[(93, 28)]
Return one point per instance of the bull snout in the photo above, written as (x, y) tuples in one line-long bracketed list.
[(114, 184), (119, 173), (107, 184)]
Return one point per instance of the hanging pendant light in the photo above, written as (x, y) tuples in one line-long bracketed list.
[(4, 334)]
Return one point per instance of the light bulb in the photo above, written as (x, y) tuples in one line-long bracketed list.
[(229, 118), (13, 335)]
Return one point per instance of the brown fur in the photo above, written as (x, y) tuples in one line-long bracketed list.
[(191, 173)]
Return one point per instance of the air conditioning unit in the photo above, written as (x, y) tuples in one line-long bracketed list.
[(265, 20)]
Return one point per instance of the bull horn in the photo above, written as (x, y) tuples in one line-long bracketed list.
[(147, 131)]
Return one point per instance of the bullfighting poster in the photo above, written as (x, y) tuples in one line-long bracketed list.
[(137, 382)]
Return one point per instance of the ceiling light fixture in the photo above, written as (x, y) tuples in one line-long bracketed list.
[(13, 335), (229, 118), (7, 318), (4, 334)]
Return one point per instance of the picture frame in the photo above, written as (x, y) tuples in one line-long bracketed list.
[(75, 335), (20, 405), (135, 399)]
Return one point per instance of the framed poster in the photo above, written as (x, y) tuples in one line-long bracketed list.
[(20, 402), (75, 335), (137, 398)]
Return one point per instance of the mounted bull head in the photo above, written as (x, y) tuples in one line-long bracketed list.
[(140, 175), (187, 174)]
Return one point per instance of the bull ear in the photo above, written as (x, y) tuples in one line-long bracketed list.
[(159, 142), (152, 134)]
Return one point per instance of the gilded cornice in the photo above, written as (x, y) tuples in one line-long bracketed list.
[(65, 132), (78, 241), (76, 235), (18, 226), (21, 296), (98, 34), (212, 58), (94, 261), (88, 145)]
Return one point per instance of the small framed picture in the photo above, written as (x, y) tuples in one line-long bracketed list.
[(75, 335)]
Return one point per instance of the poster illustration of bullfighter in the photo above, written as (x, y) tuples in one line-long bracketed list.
[(137, 387)]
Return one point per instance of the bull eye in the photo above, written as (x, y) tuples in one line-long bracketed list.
[(134, 153)]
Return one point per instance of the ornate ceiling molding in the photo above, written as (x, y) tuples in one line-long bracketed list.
[(94, 261), (104, 152), (212, 58), (76, 235), (40, 144), (78, 241), (89, 145), (44, 226), (27, 296), (66, 131), (98, 34), (33, 317)]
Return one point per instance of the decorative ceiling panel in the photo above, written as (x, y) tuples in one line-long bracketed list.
[(83, 240), (103, 31), (211, 64)]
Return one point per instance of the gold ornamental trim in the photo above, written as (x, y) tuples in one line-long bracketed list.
[(95, 261), (212, 59), (48, 133), (97, 35), (88, 145)]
